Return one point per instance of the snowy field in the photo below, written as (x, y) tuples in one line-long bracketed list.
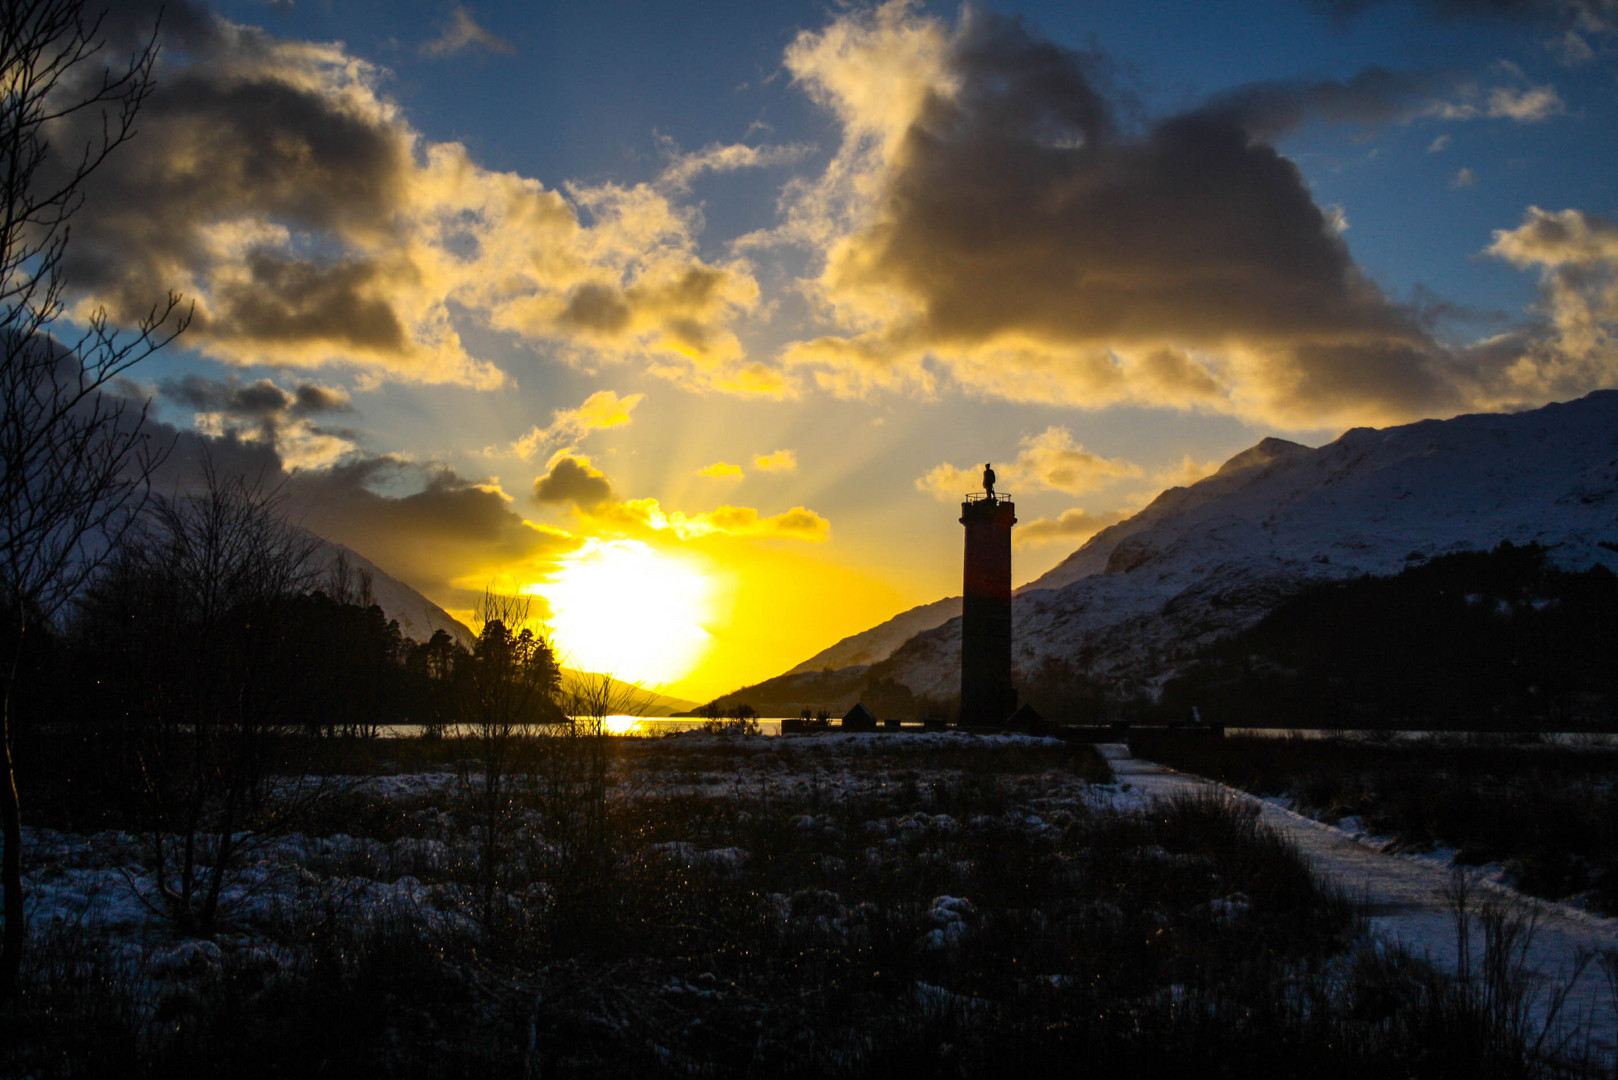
[(932, 863)]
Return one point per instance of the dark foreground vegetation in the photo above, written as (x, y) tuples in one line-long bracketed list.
[(1501, 640), (827, 907), (1550, 813)]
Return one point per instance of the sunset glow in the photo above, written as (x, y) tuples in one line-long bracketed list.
[(698, 324), (622, 608)]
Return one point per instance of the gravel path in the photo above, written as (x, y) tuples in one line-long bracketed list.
[(1405, 898)]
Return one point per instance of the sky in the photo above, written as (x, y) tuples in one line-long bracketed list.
[(695, 322)]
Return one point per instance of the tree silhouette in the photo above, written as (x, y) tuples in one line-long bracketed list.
[(74, 461), (195, 623), (510, 687)]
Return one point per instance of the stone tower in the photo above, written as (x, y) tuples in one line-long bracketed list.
[(987, 696)]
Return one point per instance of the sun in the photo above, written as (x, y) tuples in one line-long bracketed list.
[(625, 609)]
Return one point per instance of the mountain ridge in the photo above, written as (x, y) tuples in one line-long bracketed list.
[(1139, 598)]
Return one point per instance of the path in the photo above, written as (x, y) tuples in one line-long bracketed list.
[(1405, 898)]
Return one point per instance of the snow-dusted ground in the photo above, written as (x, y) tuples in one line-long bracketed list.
[(1406, 898), (92, 884)]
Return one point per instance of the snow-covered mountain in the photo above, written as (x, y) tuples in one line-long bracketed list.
[(417, 616), (878, 643), (1142, 596)]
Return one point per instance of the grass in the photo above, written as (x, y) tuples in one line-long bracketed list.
[(1549, 813), (870, 908)]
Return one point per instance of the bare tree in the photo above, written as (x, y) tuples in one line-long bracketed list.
[(510, 689), (192, 615), (74, 460), (578, 806)]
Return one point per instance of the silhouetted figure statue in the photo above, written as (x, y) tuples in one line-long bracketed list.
[(988, 478)]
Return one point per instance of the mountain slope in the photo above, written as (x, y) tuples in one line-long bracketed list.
[(879, 642), (417, 616), (1141, 597)]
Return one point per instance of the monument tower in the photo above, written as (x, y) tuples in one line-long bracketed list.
[(987, 696)]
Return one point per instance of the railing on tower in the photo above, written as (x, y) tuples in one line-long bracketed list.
[(988, 497)]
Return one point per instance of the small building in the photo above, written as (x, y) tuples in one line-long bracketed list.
[(859, 718), (1028, 720)]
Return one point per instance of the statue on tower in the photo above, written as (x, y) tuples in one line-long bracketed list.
[(988, 479)]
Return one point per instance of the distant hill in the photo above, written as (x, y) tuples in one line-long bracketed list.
[(1141, 598), (637, 700)]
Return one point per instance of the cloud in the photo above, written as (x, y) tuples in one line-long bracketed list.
[(1524, 104), (683, 168), (449, 536), (1187, 472), (1052, 460), (989, 222), (1576, 254), (1072, 525), (572, 479), (1438, 145), (779, 461), (722, 470), (1371, 98), (445, 534), (259, 400), (461, 33), (1378, 96), (634, 515), (1049, 461), (263, 412), (1463, 178), (276, 186), (602, 409)]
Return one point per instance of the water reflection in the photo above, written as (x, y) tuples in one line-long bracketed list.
[(641, 726)]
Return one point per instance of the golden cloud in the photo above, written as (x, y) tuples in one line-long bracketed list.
[(779, 461), (1070, 526), (721, 470), (648, 515), (274, 185), (1049, 461), (571, 478), (1577, 256), (1187, 472), (602, 409), (683, 168)]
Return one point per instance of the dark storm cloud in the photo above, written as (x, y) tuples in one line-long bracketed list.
[(425, 524), (254, 400), (238, 144), (573, 479), (264, 412), (286, 301), (449, 536), (1025, 224), (1374, 97)]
